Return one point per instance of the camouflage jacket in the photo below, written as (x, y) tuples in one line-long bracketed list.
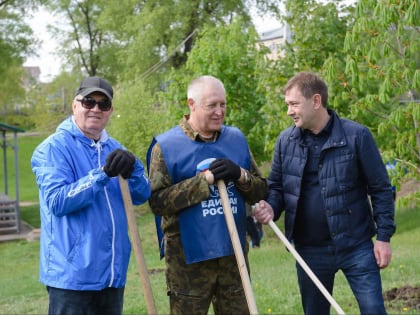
[(168, 198)]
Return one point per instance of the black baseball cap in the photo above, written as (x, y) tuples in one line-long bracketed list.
[(95, 84)]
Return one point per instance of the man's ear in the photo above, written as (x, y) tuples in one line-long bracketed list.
[(316, 98), (190, 102)]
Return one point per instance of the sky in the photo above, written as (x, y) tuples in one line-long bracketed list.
[(47, 61), (50, 64)]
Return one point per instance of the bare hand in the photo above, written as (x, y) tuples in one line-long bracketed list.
[(209, 177), (263, 212), (383, 253)]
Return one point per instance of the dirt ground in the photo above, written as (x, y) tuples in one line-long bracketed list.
[(406, 297), (402, 299), (408, 187)]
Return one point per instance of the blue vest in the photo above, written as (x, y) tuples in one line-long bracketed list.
[(203, 228)]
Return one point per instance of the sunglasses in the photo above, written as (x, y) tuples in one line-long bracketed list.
[(89, 103)]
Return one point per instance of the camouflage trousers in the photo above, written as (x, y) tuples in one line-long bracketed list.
[(191, 288)]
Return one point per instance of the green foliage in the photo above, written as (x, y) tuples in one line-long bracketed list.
[(16, 43), (11, 91), (22, 120), (229, 53), (141, 42), (163, 31), (84, 44), (273, 111), (316, 45), (51, 103), (137, 117), (150, 50), (382, 72), (318, 30)]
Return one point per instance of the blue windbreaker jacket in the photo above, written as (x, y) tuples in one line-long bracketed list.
[(84, 233)]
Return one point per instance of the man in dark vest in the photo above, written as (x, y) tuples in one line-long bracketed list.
[(184, 166), (328, 177)]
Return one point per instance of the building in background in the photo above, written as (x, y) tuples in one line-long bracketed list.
[(33, 75), (274, 40)]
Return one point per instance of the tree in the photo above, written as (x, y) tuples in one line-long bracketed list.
[(382, 79), (157, 35), (317, 33), (229, 53), (164, 32), (85, 45), (132, 40), (158, 38), (318, 30), (137, 117), (51, 103), (15, 45)]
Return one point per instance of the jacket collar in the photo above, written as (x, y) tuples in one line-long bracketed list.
[(337, 137), (70, 126)]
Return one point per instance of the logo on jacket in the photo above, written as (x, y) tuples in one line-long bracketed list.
[(213, 205)]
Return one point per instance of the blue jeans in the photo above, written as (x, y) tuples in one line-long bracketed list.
[(360, 269), (108, 301)]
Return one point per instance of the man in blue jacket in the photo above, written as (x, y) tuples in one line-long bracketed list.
[(329, 178), (85, 248)]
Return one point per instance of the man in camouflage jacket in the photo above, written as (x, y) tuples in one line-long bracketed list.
[(184, 165)]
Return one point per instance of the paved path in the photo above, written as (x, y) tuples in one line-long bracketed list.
[(26, 232)]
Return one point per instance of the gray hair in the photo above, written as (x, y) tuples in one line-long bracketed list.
[(196, 87)]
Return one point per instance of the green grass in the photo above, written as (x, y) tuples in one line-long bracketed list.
[(273, 271), (30, 214), (28, 190)]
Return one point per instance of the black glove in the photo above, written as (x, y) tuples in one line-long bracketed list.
[(225, 169), (120, 162)]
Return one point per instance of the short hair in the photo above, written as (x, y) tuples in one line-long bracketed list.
[(196, 87), (309, 84)]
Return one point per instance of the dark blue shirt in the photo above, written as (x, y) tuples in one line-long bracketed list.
[(311, 227)]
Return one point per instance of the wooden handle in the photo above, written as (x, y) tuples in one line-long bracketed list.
[(306, 268), (239, 254), (138, 250)]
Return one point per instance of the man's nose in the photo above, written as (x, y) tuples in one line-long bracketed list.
[(219, 109)]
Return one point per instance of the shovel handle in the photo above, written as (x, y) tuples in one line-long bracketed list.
[(137, 247), (237, 247), (305, 267)]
